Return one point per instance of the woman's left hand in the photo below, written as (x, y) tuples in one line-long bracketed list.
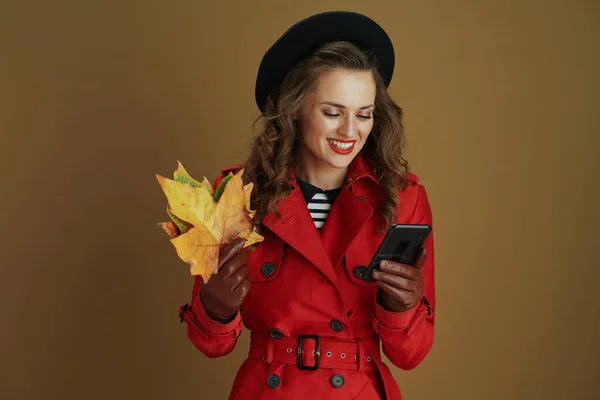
[(400, 285)]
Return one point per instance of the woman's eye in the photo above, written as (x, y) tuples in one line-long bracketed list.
[(334, 115)]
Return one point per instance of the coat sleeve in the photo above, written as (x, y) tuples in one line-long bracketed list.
[(212, 338), (407, 337)]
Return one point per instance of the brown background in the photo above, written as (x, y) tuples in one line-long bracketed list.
[(501, 101)]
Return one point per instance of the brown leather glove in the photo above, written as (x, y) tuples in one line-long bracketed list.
[(224, 292), (401, 285)]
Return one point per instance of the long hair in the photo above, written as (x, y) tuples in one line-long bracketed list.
[(274, 149)]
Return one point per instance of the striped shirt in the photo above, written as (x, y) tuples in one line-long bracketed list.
[(318, 201)]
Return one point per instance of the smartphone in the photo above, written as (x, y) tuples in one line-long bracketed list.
[(402, 243)]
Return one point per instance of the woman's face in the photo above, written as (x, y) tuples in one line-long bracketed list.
[(336, 118)]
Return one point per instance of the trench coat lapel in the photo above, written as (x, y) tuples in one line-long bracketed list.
[(349, 212), (296, 227), (345, 220)]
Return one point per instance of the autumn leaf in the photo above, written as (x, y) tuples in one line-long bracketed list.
[(203, 220), (231, 217), (248, 192), (181, 175), (221, 187), (182, 226), (170, 228)]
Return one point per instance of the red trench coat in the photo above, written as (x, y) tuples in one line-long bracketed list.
[(306, 283)]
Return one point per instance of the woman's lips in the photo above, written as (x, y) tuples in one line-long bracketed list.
[(341, 146)]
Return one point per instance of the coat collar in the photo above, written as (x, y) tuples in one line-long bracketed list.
[(360, 167), (346, 218)]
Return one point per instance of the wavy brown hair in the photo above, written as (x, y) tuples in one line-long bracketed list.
[(274, 148)]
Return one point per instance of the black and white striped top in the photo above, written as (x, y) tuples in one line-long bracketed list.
[(318, 201)]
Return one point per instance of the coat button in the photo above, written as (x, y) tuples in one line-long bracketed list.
[(337, 381), (267, 269), (273, 381), (336, 325), (276, 334), (359, 271), (362, 198)]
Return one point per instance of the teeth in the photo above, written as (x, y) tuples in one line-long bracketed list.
[(340, 145)]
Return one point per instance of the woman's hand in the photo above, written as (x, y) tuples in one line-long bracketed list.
[(224, 292), (400, 285)]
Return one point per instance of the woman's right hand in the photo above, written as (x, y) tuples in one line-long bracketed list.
[(224, 292)]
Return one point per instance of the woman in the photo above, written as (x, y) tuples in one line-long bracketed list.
[(329, 179)]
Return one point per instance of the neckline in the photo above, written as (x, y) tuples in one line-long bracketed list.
[(308, 191)]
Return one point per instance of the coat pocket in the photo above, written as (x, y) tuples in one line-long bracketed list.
[(265, 262), (359, 255), (356, 266)]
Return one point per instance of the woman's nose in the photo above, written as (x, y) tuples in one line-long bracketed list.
[(347, 127)]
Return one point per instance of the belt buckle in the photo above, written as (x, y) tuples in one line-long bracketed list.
[(317, 352)]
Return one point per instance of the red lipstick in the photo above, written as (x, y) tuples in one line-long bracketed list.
[(341, 151)]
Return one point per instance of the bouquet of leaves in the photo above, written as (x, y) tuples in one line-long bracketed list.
[(202, 220)]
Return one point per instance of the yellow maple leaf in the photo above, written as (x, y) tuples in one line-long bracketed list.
[(203, 220)]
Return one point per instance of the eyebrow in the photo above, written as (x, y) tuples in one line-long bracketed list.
[(342, 106)]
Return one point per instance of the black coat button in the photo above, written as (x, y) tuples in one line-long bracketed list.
[(337, 381), (362, 198), (267, 269), (273, 381), (359, 271), (276, 334), (336, 325)]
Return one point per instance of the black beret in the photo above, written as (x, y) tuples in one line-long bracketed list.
[(301, 39)]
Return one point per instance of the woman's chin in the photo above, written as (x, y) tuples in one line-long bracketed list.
[(340, 161)]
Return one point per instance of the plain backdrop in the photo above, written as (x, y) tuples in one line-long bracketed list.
[(501, 101)]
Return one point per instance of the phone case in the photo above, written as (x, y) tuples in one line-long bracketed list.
[(401, 243)]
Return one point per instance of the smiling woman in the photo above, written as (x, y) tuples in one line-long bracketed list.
[(332, 106), (329, 179), (334, 124)]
